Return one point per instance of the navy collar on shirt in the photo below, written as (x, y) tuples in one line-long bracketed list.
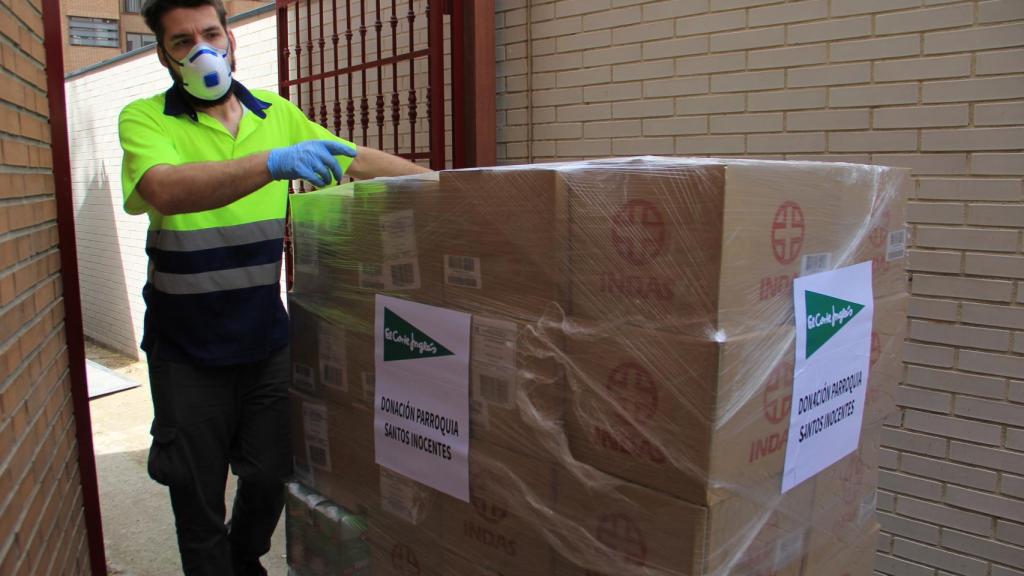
[(175, 102)]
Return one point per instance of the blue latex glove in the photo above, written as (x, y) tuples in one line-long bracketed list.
[(313, 161)]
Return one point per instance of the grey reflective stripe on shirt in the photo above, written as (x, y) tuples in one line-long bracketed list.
[(218, 280), (190, 240)]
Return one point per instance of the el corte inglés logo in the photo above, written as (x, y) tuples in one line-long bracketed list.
[(826, 316), (403, 341)]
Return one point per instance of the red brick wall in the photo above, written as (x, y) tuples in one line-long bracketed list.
[(42, 526)]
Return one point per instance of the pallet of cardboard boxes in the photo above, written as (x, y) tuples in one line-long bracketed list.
[(631, 369)]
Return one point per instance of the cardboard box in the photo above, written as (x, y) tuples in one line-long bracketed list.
[(644, 241), (735, 235), (613, 527), (455, 565), (616, 528), (332, 349), (405, 527), (640, 400), (663, 291), (885, 237), (333, 450), (362, 238), (403, 550), (640, 407), (499, 242), (855, 558), (503, 524), (846, 495), (517, 385)]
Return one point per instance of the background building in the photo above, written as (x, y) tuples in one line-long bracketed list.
[(97, 30)]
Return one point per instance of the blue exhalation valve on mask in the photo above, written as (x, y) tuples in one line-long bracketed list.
[(205, 72)]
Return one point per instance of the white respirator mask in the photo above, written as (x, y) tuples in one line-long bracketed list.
[(205, 72)]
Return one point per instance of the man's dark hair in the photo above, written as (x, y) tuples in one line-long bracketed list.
[(153, 12)]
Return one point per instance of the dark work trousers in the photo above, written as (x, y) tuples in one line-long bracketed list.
[(205, 419)]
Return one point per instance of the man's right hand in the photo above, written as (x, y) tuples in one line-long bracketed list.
[(312, 161)]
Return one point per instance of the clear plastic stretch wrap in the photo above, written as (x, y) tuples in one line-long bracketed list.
[(323, 538), (631, 368)]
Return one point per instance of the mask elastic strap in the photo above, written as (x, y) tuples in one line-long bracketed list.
[(180, 63)]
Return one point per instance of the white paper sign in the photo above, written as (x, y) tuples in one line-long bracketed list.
[(833, 353), (421, 409)]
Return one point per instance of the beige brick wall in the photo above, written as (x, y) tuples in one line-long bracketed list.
[(42, 527), (111, 244), (935, 85)]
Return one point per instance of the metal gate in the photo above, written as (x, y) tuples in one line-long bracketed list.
[(412, 77), (391, 74)]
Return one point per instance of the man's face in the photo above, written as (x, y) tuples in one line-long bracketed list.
[(186, 27)]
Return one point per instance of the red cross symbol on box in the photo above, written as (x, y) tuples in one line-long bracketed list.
[(619, 533), (777, 397), (634, 389), (404, 560), (787, 232), (638, 232)]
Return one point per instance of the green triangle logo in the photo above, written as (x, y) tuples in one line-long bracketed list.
[(826, 316), (403, 341)]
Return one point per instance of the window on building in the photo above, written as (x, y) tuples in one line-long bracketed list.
[(137, 40), (132, 6), (93, 32)]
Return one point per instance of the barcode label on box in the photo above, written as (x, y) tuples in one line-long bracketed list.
[(494, 342), (462, 271), (398, 235), (367, 382), (896, 248), (402, 497), (495, 390), (494, 385), (302, 377), (403, 275), (314, 425), (331, 348), (371, 276), (815, 263)]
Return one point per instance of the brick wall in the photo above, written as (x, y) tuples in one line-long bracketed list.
[(42, 527), (111, 244), (935, 85)]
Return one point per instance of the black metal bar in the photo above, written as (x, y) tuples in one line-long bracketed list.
[(364, 106), (359, 67), (337, 95), (350, 108), (411, 17), (323, 88), (396, 115), (379, 101), (309, 56)]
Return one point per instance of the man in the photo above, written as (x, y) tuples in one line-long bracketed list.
[(209, 161)]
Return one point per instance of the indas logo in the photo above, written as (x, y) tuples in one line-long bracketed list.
[(638, 232)]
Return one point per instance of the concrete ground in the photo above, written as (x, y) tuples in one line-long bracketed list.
[(138, 527)]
